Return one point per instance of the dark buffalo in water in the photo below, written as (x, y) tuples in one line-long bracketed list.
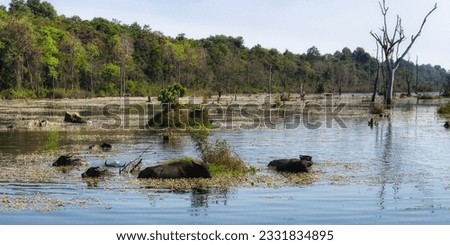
[(102, 146), (95, 172), (68, 161), (177, 169), (292, 165)]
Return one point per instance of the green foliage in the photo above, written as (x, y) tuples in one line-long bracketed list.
[(172, 93), (219, 155), (111, 89), (50, 54), (50, 51), (10, 94), (44, 9), (58, 93)]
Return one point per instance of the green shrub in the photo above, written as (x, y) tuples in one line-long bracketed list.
[(171, 94), (10, 94), (79, 94), (219, 155), (58, 93)]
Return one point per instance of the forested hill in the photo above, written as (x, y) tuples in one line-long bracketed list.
[(46, 55)]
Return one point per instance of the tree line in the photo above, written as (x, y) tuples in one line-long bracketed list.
[(43, 54)]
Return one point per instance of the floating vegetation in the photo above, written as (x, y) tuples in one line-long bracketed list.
[(184, 184), (44, 203), (38, 203), (35, 169)]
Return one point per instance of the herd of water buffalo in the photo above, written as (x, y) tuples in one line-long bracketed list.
[(176, 169)]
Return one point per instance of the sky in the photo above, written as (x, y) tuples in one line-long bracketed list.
[(294, 25)]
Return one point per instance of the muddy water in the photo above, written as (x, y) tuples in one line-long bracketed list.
[(395, 173)]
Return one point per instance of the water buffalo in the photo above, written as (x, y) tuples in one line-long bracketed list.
[(68, 161), (177, 169), (102, 146), (292, 165), (306, 158), (95, 172)]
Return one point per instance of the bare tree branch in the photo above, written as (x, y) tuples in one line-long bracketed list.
[(413, 38)]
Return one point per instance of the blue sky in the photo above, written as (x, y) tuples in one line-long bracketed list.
[(295, 25)]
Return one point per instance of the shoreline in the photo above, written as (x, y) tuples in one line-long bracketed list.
[(133, 113)]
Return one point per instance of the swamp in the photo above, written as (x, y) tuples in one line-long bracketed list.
[(394, 171)]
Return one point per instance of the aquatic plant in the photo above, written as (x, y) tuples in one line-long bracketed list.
[(222, 160)]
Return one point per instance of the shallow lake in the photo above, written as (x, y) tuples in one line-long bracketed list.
[(395, 173)]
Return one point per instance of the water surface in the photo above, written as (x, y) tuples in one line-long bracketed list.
[(394, 173)]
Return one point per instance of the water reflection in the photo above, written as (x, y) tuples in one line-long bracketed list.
[(201, 199), (390, 169)]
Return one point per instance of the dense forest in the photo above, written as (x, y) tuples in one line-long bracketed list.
[(43, 54)]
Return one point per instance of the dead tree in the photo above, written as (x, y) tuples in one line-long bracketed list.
[(391, 46), (377, 77), (417, 74)]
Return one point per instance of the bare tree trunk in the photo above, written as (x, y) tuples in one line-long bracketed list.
[(375, 84), (408, 81), (390, 85), (417, 75)]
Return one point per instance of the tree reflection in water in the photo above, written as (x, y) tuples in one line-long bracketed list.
[(201, 199)]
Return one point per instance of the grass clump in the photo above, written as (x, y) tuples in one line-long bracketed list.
[(184, 160), (376, 108), (10, 94), (219, 155), (444, 109)]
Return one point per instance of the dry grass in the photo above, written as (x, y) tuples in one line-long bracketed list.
[(444, 109), (219, 155), (376, 108)]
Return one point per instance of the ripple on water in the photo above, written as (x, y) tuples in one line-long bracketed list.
[(395, 173)]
